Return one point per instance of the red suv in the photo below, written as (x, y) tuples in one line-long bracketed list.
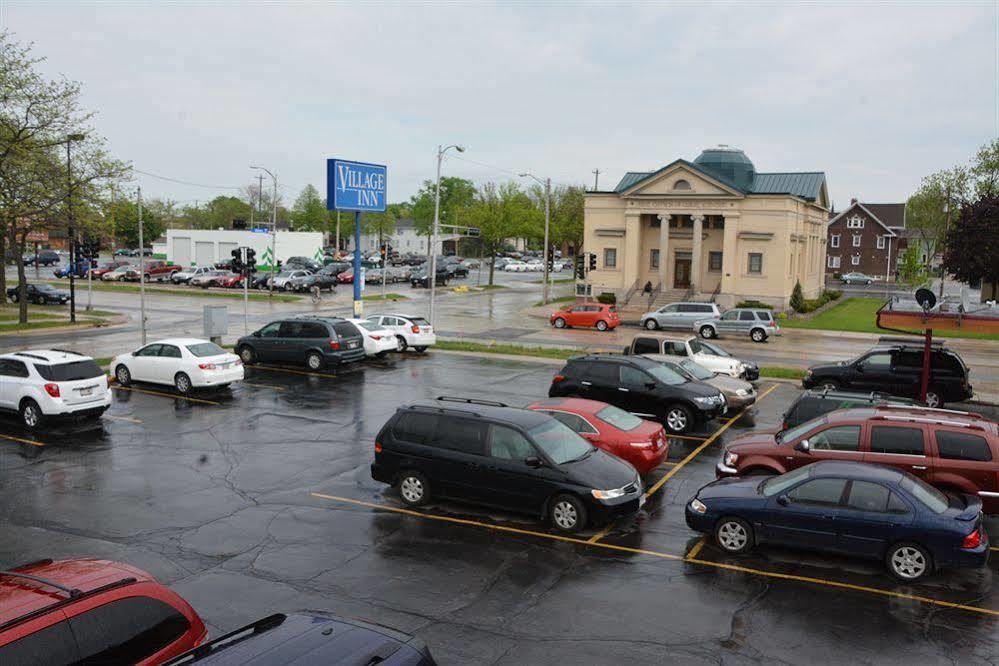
[(598, 315), (91, 611), (951, 450)]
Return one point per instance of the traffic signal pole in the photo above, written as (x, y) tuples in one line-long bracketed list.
[(246, 290)]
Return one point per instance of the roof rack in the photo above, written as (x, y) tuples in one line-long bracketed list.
[(73, 594), (889, 340), (71, 591), (471, 401), (226, 640), (933, 410), (68, 351), (936, 421), (32, 356)]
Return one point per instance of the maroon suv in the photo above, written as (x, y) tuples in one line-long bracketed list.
[(951, 450)]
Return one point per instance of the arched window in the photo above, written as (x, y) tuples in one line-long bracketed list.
[(681, 185)]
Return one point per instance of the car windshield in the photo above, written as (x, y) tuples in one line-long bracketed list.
[(778, 484), (559, 443), (619, 418), (45, 287), (284, 274), (420, 321), (666, 375), (205, 349), (696, 370), (797, 431), (68, 372), (368, 326), (934, 500), (709, 348)]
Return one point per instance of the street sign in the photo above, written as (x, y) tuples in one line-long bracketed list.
[(260, 230), (355, 186), (37, 237)]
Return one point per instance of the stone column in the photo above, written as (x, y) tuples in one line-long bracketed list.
[(664, 250), (696, 252), (628, 261)]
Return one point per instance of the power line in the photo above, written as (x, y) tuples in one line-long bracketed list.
[(184, 182)]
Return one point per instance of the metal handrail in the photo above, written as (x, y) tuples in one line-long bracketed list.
[(655, 294), (631, 292)]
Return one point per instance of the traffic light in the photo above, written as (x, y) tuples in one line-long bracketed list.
[(251, 261), (237, 260), (580, 267), (593, 261), (90, 249), (550, 258)]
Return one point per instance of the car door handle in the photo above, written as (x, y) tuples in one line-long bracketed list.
[(586, 383), (920, 467), (621, 388)]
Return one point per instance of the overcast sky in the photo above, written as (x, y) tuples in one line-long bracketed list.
[(874, 94)]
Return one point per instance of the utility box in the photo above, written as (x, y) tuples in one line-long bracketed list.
[(216, 320)]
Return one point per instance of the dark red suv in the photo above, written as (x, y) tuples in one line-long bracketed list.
[(951, 450), (93, 612)]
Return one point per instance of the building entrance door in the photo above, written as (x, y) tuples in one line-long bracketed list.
[(681, 273)]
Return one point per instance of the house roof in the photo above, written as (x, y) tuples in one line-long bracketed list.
[(806, 185), (890, 214)]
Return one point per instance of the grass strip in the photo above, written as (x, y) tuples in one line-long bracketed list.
[(197, 293)]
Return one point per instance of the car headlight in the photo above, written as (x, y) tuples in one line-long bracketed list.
[(697, 506), (731, 459), (705, 402), (607, 494), (742, 393), (808, 373)]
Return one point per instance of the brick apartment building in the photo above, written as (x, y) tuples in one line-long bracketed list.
[(866, 237)]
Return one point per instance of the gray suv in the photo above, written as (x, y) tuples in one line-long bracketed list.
[(316, 341), (758, 324), (679, 315)]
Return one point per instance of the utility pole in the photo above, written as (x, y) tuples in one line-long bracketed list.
[(142, 272), (943, 237), (596, 179), (72, 231), (436, 228), (547, 182)]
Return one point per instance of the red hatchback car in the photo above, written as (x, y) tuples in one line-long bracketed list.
[(640, 442), (598, 315), (91, 612)]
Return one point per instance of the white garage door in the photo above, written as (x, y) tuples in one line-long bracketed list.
[(225, 250), (181, 251), (204, 253)]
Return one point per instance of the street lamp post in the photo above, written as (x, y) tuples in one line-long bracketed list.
[(547, 182), (72, 229), (273, 225), (435, 230), (142, 270)]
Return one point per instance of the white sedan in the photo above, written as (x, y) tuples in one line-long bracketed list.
[(515, 267), (378, 340), (184, 363)]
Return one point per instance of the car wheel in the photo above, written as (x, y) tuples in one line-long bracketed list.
[(567, 513), (934, 398), (601, 325), (559, 322), (678, 419), (401, 344), (39, 300), (246, 355), (734, 535), (420, 348), (414, 489), (909, 562), (123, 376), (869, 282), (830, 385), (182, 383), (707, 332), (13, 297), (314, 361), (651, 324), (758, 335), (31, 414)]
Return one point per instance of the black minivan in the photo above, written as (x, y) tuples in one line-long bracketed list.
[(515, 459), (315, 341), (641, 386)]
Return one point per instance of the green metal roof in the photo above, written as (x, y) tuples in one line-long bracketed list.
[(806, 185)]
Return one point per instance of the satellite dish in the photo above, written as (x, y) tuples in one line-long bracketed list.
[(925, 298)]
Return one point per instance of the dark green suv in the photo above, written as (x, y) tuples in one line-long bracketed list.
[(315, 341)]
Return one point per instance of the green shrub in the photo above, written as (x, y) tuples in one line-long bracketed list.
[(833, 294), (782, 315), (754, 304), (836, 276), (607, 298), (797, 301)]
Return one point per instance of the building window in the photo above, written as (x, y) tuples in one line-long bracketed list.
[(855, 222), (855, 260), (714, 261), (832, 262), (653, 260), (681, 185), (755, 262), (834, 240), (610, 257), (856, 240), (881, 242)]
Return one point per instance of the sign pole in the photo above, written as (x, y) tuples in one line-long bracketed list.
[(246, 290), (358, 306)]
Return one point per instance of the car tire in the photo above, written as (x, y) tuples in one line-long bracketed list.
[(559, 322), (401, 344), (13, 297), (414, 490), (601, 325), (758, 335), (314, 361), (39, 300), (934, 398), (31, 414), (829, 385), (567, 513), (420, 348), (707, 332), (247, 355), (678, 419), (122, 375), (869, 282), (651, 324), (733, 535), (182, 383), (908, 562)]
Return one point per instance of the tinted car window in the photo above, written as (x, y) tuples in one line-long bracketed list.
[(559, 442), (203, 349), (12, 368), (962, 446), (52, 645), (463, 435), (605, 373), (68, 372), (892, 439), (825, 492), (687, 308), (127, 630), (271, 330), (312, 329), (619, 418), (675, 349), (646, 346), (839, 438), (574, 421), (345, 329), (746, 316), (948, 363), (509, 444), (290, 329), (764, 315), (633, 378), (897, 505), (416, 427), (934, 500), (878, 361), (867, 496), (170, 351)]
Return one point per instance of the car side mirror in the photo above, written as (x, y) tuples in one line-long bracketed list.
[(783, 500), (650, 385), (532, 461), (627, 351), (859, 367), (803, 446), (256, 334)]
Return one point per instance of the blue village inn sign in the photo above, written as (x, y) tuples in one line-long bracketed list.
[(355, 186)]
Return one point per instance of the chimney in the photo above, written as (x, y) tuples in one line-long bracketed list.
[(853, 202)]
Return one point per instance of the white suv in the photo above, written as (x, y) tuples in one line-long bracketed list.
[(415, 332), (48, 383)]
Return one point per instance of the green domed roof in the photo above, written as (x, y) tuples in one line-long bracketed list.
[(728, 164)]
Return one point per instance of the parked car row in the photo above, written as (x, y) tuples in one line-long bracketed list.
[(709, 321)]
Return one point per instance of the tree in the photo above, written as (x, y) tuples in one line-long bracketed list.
[(971, 252), (985, 170), (457, 195), (125, 213), (928, 212), (309, 212), (911, 270), (797, 301), (567, 216), (500, 212)]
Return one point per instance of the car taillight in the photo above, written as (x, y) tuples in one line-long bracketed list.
[(641, 445), (237, 362), (206, 366), (376, 337), (378, 447), (558, 378), (334, 345), (415, 329), (973, 540), (52, 390)]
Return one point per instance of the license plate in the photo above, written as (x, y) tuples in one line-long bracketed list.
[(224, 366), (351, 345), (86, 391)]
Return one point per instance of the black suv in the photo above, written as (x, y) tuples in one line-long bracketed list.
[(897, 370), (492, 454), (641, 386), (421, 277), (816, 402), (316, 341), (45, 258)]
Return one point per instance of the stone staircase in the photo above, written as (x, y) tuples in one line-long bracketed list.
[(639, 303)]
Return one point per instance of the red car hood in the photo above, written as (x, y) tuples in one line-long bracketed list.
[(756, 440)]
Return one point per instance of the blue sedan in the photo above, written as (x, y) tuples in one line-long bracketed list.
[(850, 508)]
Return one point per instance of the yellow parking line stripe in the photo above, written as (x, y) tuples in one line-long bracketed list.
[(122, 418), (166, 395), (267, 386), (993, 548), (669, 556), (21, 440), (695, 550), (294, 372), (691, 437)]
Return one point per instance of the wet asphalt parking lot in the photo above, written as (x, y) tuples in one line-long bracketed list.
[(259, 499)]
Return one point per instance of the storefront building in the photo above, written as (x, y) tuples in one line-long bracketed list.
[(713, 228)]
